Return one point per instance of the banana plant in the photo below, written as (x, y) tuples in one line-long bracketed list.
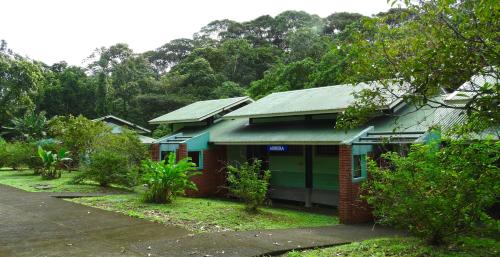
[(52, 162)]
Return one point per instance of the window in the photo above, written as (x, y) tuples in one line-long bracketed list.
[(358, 167), (195, 158)]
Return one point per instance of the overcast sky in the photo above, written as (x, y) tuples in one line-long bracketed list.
[(56, 30)]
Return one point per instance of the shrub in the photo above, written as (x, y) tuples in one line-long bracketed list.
[(52, 162), (35, 162), (15, 154), (77, 134), (166, 180), (3, 152), (108, 167), (437, 193), (126, 144), (249, 183)]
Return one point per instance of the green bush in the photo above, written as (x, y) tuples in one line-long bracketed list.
[(166, 180), (107, 167), (113, 159), (52, 162), (3, 152), (437, 193), (15, 155), (126, 144), (249, 183), (77, 134), (35, 162)]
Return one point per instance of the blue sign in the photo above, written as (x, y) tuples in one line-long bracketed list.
[(277, 148)]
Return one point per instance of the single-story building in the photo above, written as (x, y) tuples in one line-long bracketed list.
[(294, 134), (117, 125)]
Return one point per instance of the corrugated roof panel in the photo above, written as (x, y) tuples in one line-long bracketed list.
[(238, 131), (331, 99), (199, 110), (466, 91), (411, 118)]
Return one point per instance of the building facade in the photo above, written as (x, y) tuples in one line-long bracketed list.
[(294, 134)]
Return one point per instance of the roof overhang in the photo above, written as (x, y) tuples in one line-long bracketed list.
[(122, 121), (202, 117)]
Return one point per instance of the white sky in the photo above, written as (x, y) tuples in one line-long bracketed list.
[(56, 30)]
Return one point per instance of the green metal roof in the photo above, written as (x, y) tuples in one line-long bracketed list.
[(331, 99), (199, 110), (120, 122), (411, 118), (467, 90), (239, 131)]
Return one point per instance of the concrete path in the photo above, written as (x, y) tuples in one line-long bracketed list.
[(34, 224)]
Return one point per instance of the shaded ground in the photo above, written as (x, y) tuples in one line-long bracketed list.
[(36, 224)]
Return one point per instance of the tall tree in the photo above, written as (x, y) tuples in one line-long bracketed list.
[(443, 46), (20, 80)]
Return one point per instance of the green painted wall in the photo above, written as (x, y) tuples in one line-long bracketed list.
[(287, 171), (326, 172)]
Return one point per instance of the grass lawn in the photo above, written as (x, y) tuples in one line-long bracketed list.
[(24, 179), (407, 247), (200, 215)]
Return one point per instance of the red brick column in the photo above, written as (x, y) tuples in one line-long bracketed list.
[(351, 208), (345, 184), (155, 152), (182, 152), (213, 178)]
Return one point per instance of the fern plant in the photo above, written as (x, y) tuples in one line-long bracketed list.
[(52, 162), (166, 180)]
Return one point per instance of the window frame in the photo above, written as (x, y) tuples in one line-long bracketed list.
[(362, 167), (199, 165)]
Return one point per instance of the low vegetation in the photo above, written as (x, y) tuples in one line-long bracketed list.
[(168, 179), (26, 180), (52, 163), (407, 247), (438, 193), (249, 183), (201, 215)]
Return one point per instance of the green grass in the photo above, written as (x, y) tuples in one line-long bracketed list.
[(25, 180), (408, 247), (199, 214)]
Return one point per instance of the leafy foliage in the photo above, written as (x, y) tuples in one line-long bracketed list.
[(15, 154), (249, 183), (437, 193), (166, 180), (52, 162), (434, 45), (20, 80), (76, 134), (31, 126), (113, 159), (161, 131), (108, 167), (126, 143)]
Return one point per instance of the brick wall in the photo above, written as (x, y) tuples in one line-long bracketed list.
[(351, 208), (182, 152), (155, 152), (213, 177)]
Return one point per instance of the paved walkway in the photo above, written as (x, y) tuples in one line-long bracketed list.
[(34, 224)]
